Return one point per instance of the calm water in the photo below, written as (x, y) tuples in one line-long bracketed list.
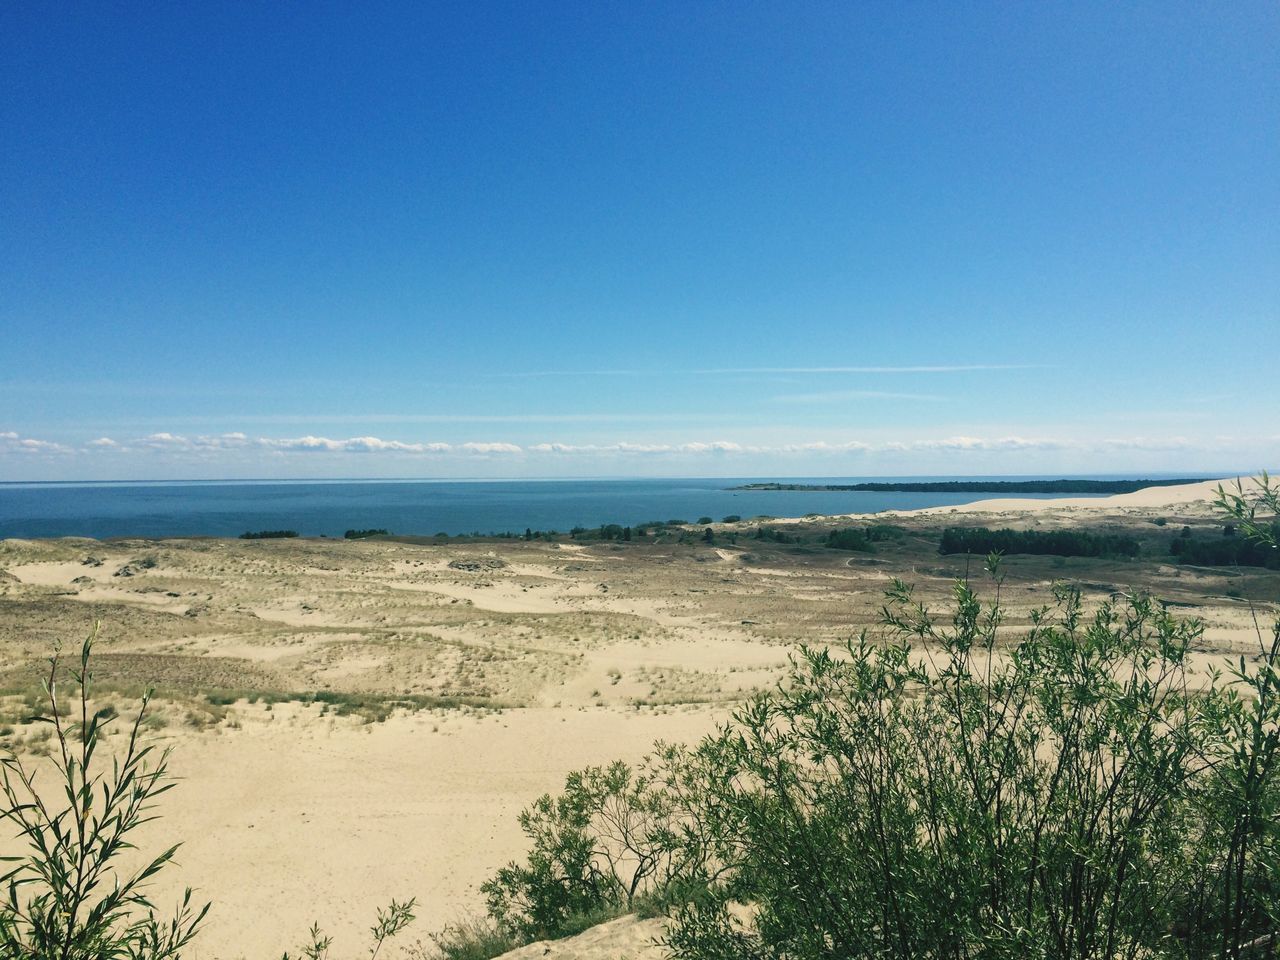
[(220, 509)]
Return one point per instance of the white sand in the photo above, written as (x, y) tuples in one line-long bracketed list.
[(297, 820), (1145, 499), (1200, 495), (625, 939)]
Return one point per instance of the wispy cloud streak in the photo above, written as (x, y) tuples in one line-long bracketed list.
[(738, 371), (838, 396)]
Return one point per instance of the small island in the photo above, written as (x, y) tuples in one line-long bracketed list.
[(978, 486)]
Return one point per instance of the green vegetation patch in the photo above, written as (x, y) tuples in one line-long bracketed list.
[(1057, 543), (864, 539), (1227, 550)]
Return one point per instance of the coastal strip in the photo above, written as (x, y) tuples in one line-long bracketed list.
[(978, 486)]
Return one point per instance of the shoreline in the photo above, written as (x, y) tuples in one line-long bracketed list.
[(480, 510)]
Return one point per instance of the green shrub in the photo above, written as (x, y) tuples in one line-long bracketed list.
[(863, 538), (1030, 803), (470, 940), (611, 838), (390, 922), (68, 898), (774, 535)]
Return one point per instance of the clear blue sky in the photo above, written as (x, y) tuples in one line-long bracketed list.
[(556, 239)]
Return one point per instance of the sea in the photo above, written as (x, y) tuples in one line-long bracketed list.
[(215, 508)]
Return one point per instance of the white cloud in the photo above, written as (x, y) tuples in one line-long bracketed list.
[(491, 448), (236, 450), (718, 446), (981, 443), (822, 446), (370, 445), (163, 441), (1150, 443), (350, 445), (13, 442), (695, 447), (380, 445), (223, 440)]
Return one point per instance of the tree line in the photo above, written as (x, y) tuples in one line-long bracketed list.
[(1057, 543)]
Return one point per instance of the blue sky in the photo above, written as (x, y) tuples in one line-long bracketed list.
[(597, 239)]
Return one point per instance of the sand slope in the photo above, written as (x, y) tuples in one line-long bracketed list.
[(626, 938), (1199, 494)]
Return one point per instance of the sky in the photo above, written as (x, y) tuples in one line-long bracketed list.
[(663, 239)]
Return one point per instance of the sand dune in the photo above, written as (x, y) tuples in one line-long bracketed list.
[(550, 659), (1198, 494)]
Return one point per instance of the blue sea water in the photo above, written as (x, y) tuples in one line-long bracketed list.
[(227, 509)]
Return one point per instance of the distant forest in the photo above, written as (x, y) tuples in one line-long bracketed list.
[(1060, 543), (982, 486), (1228, 550)]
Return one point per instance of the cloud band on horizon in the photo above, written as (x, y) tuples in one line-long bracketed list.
[(14, 444)]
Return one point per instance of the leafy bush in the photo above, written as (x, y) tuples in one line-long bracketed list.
[(612, 837), (67, 898), (268, 534), (880, 806)]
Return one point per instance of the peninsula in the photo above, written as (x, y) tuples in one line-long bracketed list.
[(979, 486)]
